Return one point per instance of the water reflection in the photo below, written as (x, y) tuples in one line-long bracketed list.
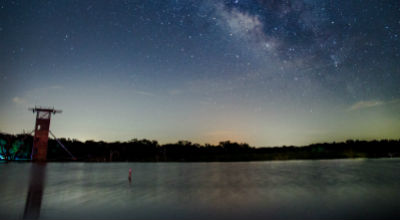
[(35, 191), (334, 189)]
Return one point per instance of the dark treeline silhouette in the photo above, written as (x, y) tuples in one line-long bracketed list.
[(20, 146)]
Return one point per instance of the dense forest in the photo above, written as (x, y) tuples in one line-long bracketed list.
[(18, 147)]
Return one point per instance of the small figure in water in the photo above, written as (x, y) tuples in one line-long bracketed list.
[(130, 175)]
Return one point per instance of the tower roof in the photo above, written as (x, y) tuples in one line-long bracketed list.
[(44, 109)]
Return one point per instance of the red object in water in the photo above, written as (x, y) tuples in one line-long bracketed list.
[(130, 175)]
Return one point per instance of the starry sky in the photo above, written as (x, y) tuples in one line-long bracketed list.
[(265, 72)]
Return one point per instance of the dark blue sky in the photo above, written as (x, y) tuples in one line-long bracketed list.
[(262, 72)]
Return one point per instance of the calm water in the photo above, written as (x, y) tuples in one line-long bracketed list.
[(325, 189)]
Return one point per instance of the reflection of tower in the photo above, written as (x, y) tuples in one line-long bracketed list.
[(35, 191), (42, 126)]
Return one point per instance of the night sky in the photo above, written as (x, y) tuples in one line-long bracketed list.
[(264, 72)]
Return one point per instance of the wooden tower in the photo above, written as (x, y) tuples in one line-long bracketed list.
[(42, 127)]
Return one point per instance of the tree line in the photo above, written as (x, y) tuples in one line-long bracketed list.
[(19, 147)]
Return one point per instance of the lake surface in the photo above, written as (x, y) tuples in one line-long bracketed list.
[(319, 189)]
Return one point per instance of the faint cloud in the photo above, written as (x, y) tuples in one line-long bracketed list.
[(173, 92), (45, 89), (394, 101), (56, 87), (365, 104), (19, 100), (145, 93)]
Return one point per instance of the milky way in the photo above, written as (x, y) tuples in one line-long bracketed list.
[(263, 72)]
